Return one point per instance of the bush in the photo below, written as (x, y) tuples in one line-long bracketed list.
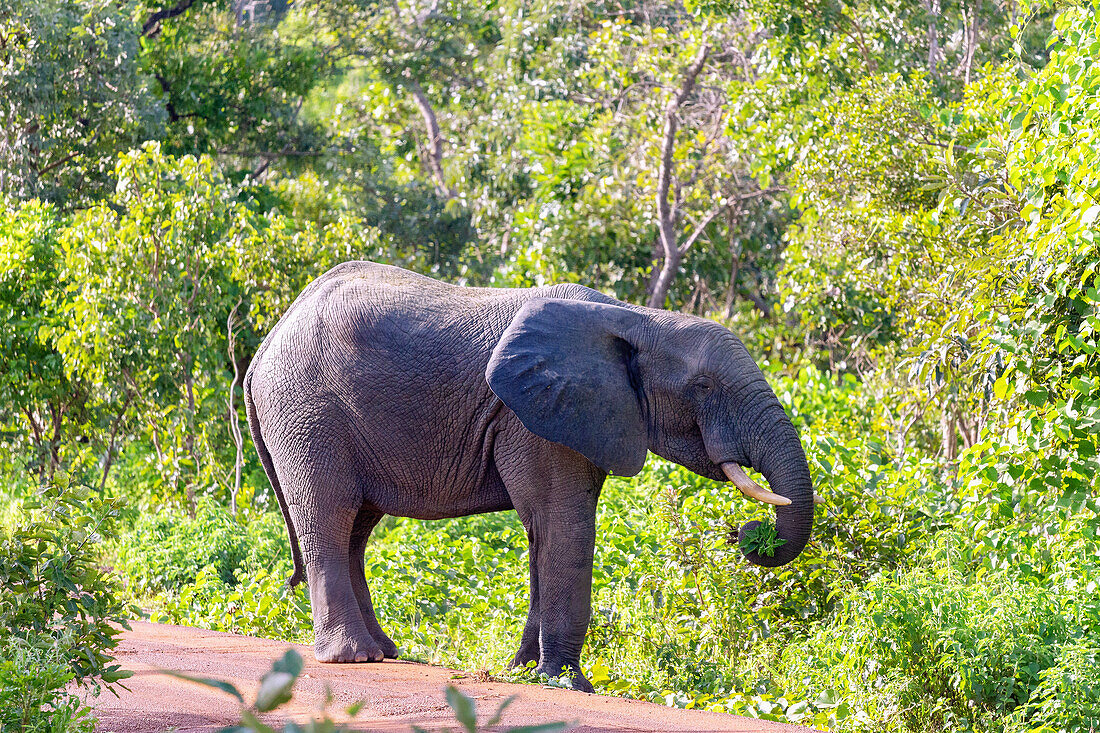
[(946, 646), (59, 613), (165, 552), (55, 593), (33, 694), (258, 604)]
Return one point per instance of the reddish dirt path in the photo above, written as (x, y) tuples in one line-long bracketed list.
[(396, 694)]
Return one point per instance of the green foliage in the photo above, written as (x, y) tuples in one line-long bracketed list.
[(258, 604), (163, 552), (36, 394), (54, 591), (935, 648), (465, 711), (74, 97), (275, 689), (33, 694), (60, 613), (215, 571), (236, 91), (762, 539)]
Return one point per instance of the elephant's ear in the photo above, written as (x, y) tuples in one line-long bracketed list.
[(563, 367)]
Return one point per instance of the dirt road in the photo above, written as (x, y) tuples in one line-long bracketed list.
[(397, 695)]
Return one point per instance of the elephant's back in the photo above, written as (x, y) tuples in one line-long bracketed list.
[(364, 315)]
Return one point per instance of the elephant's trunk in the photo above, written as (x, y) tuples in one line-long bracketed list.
[(776, 452)]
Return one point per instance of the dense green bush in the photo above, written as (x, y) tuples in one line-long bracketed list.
[(60, 614), (163, 552), (215, 570), (33, 690)]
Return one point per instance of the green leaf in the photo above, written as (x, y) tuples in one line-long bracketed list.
[(500, 712), (209, 682), (275, 689), (463, 708), (291, 663), (254, 724)]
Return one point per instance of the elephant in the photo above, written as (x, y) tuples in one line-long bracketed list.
[(384, 392)]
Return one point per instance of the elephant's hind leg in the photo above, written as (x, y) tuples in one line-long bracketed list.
[(364, 524), (324, 498)]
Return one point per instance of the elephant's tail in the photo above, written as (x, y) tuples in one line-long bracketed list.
[(265, 458)]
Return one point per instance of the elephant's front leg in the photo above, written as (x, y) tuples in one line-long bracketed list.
[(555, 491), (566, 540), (529, 643)]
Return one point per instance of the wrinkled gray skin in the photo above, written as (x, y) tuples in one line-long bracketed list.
[(385, 392)]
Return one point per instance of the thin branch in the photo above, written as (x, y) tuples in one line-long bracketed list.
[(698, 231)]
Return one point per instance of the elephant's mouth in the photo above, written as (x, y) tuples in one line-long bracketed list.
[(753, 490)]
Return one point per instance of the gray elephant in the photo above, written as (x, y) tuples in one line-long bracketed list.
[(381, 391)]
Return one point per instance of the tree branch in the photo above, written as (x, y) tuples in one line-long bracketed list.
[(109, 459), (435, 138), (152, 23), (683, 248), (665, 214)]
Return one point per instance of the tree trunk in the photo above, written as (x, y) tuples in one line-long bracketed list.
[(57, 416), (668, 213), (435, 139), (234, 423), (110, 457), (933, 8)]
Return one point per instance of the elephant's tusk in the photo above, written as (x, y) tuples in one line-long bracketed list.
[(750, 488), (818, 498)]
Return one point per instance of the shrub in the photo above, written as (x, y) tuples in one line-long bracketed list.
[(55, 593), (33, 694), (165, 552), (59, 612), (945, 646), (259, 604)]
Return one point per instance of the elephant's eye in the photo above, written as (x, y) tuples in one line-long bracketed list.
[(702, 385)]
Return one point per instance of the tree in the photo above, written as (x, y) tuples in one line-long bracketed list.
[(72, 94), (36, 394), (236, 90)]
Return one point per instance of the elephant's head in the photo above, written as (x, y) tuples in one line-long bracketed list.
[(611, 381)]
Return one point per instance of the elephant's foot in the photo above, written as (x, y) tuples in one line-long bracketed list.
[(580, 682), (527, 653), (339, 647), (384, 642)]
